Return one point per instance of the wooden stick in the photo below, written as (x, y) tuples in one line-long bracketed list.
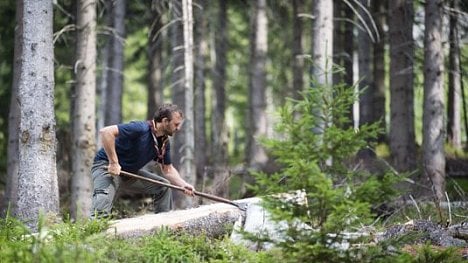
[(201, 194)]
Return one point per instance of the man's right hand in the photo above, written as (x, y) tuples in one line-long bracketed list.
[(114, 169)]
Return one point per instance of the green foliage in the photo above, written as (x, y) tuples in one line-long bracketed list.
[(316, 153), (86, 242)]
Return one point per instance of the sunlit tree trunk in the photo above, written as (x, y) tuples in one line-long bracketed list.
[(11, 187), (322, 43), (113, 113), (433, 116), (402, 138), (37, 183), (257, 119), (83, 114), (454, 84)]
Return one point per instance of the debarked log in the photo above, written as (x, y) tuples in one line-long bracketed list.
[(212, 220)]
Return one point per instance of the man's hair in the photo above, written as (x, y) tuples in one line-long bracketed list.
[(165, 111)]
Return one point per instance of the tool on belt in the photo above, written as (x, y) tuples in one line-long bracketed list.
[(201, 194)]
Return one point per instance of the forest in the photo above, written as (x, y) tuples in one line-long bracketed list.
[(359, 104)]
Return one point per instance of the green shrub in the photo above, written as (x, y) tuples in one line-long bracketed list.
[(315, 151)]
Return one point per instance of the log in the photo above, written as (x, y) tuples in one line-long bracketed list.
[(211, 220)]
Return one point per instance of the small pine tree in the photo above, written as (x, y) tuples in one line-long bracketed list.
[(315, 150)]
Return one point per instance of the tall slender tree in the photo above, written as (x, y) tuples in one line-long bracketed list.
[(257, 119), (219, 129), (83, 113), (402, 138), (37, 183), (365, 70), (11, 187), (378, 97), (113, 114), (454, 81), (297, 48), (433, 115), (322, 43)]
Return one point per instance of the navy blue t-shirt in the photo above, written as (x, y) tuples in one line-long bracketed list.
[(135, 147)]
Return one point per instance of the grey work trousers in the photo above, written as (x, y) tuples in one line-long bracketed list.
[(106, 187)]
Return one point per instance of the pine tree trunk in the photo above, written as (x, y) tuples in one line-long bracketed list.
[(115, 74), (219, 129), (37, 183), (201, 53), (366, 86), (256, 155), (402, 138), (155, 43), (11, 186), (297, 46), (378, 98), (83, 117), (454, 84), (433, 116), (322, 44)]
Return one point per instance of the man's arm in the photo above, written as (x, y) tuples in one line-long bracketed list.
[(171, 174), (108, 135)]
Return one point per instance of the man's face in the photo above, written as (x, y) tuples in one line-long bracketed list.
[(174, 125)]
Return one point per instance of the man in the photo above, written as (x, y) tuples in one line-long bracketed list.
[(129, 147)]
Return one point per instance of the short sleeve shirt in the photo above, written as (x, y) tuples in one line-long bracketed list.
[(135, 146)]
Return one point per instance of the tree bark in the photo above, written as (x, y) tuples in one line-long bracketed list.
[(257, 119), (433, 115), (297, 49), (83, 117), (366, 86), (454, 84), (37, 183), (219, 129), (155, 50), (113, 113), (378, 98), (402, 138), (201, 53), (11, 187)]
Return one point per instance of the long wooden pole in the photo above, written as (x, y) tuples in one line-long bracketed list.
[(201, 194)]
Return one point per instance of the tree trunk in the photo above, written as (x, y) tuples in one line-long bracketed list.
[(83, 117), (433, 116), (454, 84), (11, 187), (297, 46), (366, 86), (378, 98), (37, 183), (322, 49), (255, 153), (113, 113), (219, 129), (348, 55), (201, 53), (155, 50), (402, 138)]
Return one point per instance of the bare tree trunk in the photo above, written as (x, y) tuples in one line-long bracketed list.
[(155, 88), (219, 129), (433, 116), (348, 55), (297, 49), (83, 117), (454, 84), (255, 155), (402, 138), (378, 98), (201, 53), (37, 184), (366, 86), (11, 188), (113, 113), (322, 46)]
